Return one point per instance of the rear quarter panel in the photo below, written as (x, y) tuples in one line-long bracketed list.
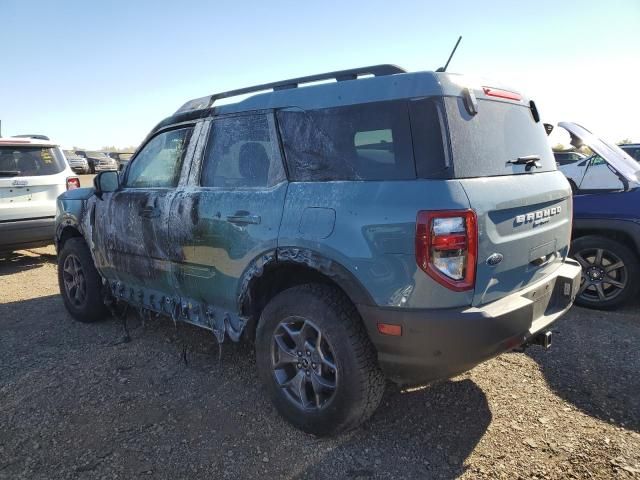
[(369, 228)]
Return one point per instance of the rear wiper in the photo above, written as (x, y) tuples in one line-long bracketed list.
[(529, 160), (9, 173)]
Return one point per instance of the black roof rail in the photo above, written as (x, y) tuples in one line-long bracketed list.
[(340, 75), (32, 135)]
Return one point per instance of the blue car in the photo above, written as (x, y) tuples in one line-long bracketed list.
[(606, 228)]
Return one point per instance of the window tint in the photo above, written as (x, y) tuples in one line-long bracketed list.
[(242, 152), (30, 161), (428, 139), (159, 162), (361, 142)]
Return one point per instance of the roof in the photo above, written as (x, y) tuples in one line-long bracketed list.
[(25, 142), (360, 85)]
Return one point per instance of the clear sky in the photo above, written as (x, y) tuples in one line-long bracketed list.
[(102, 73)]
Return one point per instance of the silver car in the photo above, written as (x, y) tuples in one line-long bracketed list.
[(77, 163)]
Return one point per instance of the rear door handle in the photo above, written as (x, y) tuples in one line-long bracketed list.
[(150, 212), (243, 219)]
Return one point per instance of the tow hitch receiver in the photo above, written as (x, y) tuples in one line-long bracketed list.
[(543, 339)]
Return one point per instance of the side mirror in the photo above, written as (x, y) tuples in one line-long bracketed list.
[(106, 182)]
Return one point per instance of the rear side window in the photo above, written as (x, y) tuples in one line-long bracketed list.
[(242, 152), (501, 132), (360, 142), (30, 161), (159, 162), (428, 138)]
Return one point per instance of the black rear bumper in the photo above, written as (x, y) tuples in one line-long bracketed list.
[(28, 233), (438, 344)]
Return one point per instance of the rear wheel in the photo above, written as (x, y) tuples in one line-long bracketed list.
[(79, 281), (316, 360), (610, 272)]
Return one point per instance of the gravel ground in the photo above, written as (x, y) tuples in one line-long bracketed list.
[(75, 402)]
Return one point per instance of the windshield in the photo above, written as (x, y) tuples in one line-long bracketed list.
[(30, 161), (613, 154), (97, 155)]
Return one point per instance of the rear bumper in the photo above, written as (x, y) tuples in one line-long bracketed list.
[(438, 344), (19, 234)]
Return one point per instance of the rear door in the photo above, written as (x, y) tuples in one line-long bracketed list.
[(31, 178), (232, 215), (131, 225), (502, 158)]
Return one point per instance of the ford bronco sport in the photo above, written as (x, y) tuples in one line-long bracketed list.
[(388, 224)]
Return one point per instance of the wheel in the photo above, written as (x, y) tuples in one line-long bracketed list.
[(79, 281), (610, 272), (316, 360)]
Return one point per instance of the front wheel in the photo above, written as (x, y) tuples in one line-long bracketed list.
[(79, 282), (316, 360), (610, 272)]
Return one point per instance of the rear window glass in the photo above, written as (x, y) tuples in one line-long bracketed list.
[(30, 161), (483, 144), (361, 142)]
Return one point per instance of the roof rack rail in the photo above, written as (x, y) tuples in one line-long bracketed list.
[(340, 75), (32, 135)]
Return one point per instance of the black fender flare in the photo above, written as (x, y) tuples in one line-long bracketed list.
[(308, 258), (628, 227)]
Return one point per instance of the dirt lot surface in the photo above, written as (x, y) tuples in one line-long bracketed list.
[(76, 402)]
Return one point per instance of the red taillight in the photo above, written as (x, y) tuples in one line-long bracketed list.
[(73, 183), (447, 247), (496, 92)]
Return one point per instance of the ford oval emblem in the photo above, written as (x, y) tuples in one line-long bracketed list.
[(494, 259)]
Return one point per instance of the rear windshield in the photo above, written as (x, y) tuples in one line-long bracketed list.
[(30, 161), (501, 132), (359, 142)]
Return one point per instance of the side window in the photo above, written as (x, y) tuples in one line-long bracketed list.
[(159, 162), (360, 142), (242, 152), (428, 138)]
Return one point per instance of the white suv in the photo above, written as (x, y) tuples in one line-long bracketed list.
[(33, 172)]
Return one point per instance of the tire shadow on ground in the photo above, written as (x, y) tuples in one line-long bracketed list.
[(594, 364), (433, 429)]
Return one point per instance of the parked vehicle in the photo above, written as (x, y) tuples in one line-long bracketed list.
[(606, 227), (355, 230), (98, 161), (121, 157), (77, 163), (566, 158), (633, 150), (33, 173)]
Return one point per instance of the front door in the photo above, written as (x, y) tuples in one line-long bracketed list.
[(232, 214), (131, 225)]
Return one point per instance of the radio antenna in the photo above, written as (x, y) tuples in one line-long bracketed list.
[(444, 69)]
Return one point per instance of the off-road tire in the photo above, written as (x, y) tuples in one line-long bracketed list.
[(627, 256), (92, 309), (361, 383)]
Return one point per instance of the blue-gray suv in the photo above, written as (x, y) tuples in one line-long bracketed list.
[(379, 225)]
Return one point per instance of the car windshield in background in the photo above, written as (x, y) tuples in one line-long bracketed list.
[(499, 133), (70, 154), (97, 155), (30, 161)]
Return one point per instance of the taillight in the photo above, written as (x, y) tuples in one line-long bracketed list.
[(73, 183), (447, 247)]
